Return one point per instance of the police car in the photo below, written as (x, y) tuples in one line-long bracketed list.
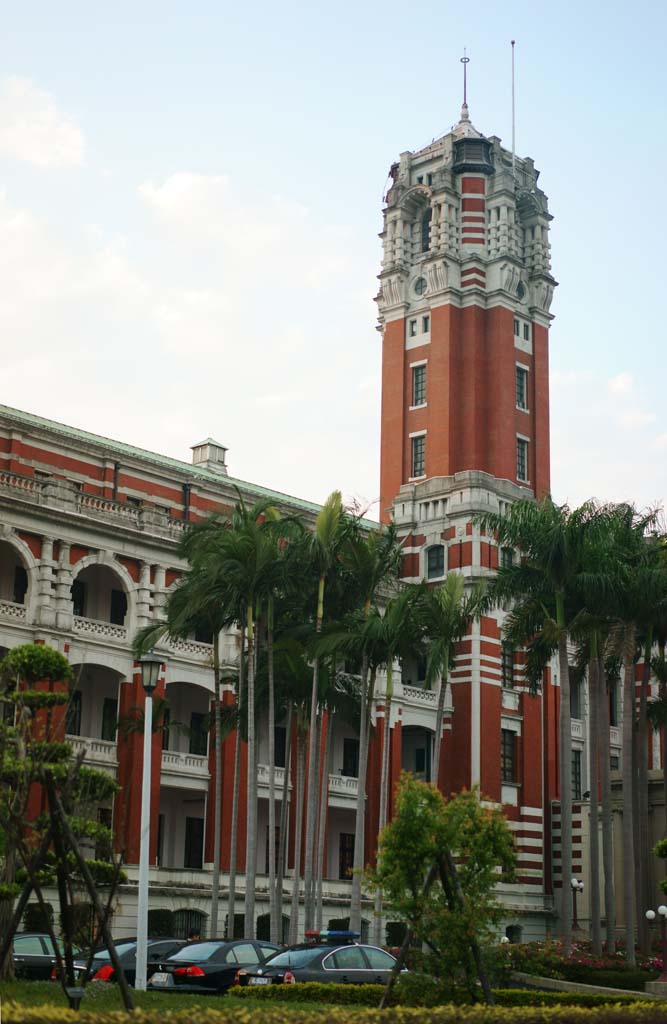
[(325, 956)]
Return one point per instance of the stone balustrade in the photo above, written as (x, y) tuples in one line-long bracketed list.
[(12, 610), (94, 629), (415, 695), (100, 753)]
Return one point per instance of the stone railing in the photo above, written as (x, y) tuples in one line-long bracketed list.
[(99, 630), (177, 762), (12, 610), (343, 785), (577, 729), (615, 736), (263, 776), (419, 696), (89, 504), (26, 486), (102, 752), (192, 649)]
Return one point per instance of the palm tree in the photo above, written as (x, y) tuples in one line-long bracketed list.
[(549, 587), (445, 613)]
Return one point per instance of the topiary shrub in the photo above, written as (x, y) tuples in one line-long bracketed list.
[(160, 923), (34, 918)]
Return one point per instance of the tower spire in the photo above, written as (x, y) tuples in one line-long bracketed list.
[(465, 60)]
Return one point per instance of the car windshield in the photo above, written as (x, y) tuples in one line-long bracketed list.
[(294, 957), (122, 947), (197, 951)]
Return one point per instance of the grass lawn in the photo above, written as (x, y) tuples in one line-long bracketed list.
[(107, 997)]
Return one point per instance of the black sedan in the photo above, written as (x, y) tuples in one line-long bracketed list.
[(208, 967), (34, 956), (103, 970), (348, 964)]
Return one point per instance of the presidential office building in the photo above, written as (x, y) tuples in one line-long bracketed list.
[(89, 529)]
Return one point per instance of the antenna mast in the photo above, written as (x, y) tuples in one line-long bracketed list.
[(513, 119)]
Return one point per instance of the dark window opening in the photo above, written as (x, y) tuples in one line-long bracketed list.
[(197, 734), (613, 704), (20, 585), (350, 757), (73, 717), (345, 854), (508, 755), (118, 607), (79, 598), (506, 558), (426, 230), (521, 459), (280, 740), (166, 728), (419, 455), (521, 388), (419, 385), (188, 921), (507, 666), (203, 635), (575, 696), (614, 762), (109, 719), (517, 329), (421, 670), (435, 561), (160, 839), (194, 843), (576, 775)]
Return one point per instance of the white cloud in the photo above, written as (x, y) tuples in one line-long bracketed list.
[(621, 384), (636, 418), (34, 129)]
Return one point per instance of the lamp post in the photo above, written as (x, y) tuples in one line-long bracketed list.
[(662, 914), (577, 886), (151, 664)]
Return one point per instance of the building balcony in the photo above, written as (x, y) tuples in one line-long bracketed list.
[(13, 612), (423, 698), (96, 629), (184, 771), (97, 753), (263, 780), (191, 650)]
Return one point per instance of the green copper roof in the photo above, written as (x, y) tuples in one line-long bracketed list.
[(184, 469)]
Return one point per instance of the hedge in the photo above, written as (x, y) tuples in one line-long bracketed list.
[(639, 1013), (369, 995)]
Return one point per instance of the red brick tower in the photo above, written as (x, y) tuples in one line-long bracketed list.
[(464, 314)]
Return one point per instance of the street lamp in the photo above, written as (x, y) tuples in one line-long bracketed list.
[(650, 916), (577, 886), (151, 664)]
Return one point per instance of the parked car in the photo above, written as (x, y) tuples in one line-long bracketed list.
[(208, 967), (103, 970), (329, 957), (34, 956)]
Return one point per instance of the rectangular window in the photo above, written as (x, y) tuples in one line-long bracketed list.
[(166, 728), (345, 854), (280, 740), (517, 329), (412, 328), (521, 387), (197, 734), (506, 558), (118, 607), (419, 385), (508, 755), (507, 666), (613, 704), (521, 459), (576, 775), (418, 455), (194, 843), (73, 716), (20, 585), (614, 762), (109, 719), (350, 757), (135, 502), (79, 598), (435, 562), (420, 179), (426, 324), (160, 839), (575, 696), (526, 332)]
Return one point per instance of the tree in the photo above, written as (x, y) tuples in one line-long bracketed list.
[(438, 866)]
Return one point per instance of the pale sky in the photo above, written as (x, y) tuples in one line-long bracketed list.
[(190, 196)]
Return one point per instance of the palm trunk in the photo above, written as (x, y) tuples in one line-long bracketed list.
[(439, 716), (565, 793), (628, 817), (231, 904), (607, 817), (594, 841), (313, 775), (384, 788), (273, 890), (284, 814), (360, 812), (217, 808), (251, 835), (298, 825), (644, 871), (322, 825)]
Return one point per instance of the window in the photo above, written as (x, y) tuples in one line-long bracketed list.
[(197, 734), (418, 455), (435, 562), (160, 838), (576, 775), (506, 558), (422, 665), (412, 328), (526, 332), (521, 459), (419, 385), (429, 179), (420, 179), (345, 854), (276, 848), (20, 585), (244, 953), (135, 502), (28, 945), (575, 695), (280, 740), (507, 666), (507, 755), (521, 387), (426, 231), (102, 847), (378, 959), (614, 762), (349, 958), (109, 719), (517, 329), (426, 323), (73, 717), (118, 607), (203, 635), (613, 703), (79, 598), (166, 728), (187, 920), (423, 761), (350, 757), (194, 843)]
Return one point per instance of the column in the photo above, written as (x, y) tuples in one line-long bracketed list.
[(64, 588)]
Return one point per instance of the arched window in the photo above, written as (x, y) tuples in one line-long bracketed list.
[(187, 920), (513, 932), (426, 230)]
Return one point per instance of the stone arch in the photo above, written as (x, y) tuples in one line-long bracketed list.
[(24, 557), (90, 712), (98, 607)]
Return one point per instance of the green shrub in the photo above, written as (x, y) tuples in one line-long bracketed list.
[(34, 918), (624, 977), (160, 922)]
